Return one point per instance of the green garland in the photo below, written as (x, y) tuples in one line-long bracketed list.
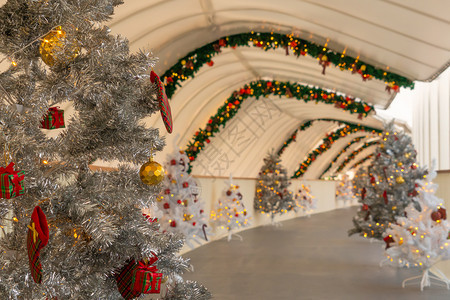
[(189, 65), (362, 161), (263, 88), (303, 127), (326, 144), (352, 156), (355, 140)]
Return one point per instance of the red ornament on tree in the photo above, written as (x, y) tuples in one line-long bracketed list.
[(166, 205), (173, 162), (228, 193), (365, 207), (210, 63), (443, 213), (372, 180), (173, 224), (385, 197), (167, 191), (185, 184), (436, 216)]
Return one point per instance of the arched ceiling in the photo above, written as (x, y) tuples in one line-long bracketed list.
[(409, 41), (388, 34), (409, 37)]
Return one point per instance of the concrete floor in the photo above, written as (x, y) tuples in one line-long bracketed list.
[(306, 258)]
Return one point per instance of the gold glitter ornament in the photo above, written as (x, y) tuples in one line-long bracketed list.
[(400, 180), (55, 47), (151, 172)]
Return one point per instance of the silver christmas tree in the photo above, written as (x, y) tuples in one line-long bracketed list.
[(59, 51), (272, 195), (387, 186)]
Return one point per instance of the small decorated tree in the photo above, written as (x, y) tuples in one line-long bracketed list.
[(421, 238), (272, 194), (344, 191), (183, 210), (230, 212), (387, 186), (305, 200)]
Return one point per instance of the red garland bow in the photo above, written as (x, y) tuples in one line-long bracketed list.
[(56, 121), (16, 179)]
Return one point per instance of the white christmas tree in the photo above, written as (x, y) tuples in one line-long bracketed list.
[(305, 200), (421, 238), (180, 202), (230, 213), (344, 191)]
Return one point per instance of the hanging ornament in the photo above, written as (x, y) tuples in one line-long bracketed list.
[(55, 48), (11, 182), (323, 61), (385, 197), (436, 216), (151, 172), (388, 240), (443, 213), (54, 119), (37, 238), (164, 105), (400, 180)]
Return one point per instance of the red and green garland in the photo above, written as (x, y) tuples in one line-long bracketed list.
[(262, 88), (308, 124), (362, 161), (189, 65), (355, 140), (327, 143), (352, 156)]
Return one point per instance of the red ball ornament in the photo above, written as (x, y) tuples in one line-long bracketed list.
[(193, 223), (167, 191), (179, 201), (413, 167), (185, 184), (173, 162), (166, 205), (210, 63), (228, 193), (173, 224), (201, 211), (237, 215), (372, 180), (436, 216), (365, 207)]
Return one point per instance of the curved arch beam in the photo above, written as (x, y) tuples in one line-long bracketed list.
[(326, 144), (189, 65), (350, 144), (307, 124), (264, 88), (352, 156), (362, 161)]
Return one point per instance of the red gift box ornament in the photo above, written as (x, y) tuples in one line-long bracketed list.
[(185, 184), (124, 282), (146, 280), (11, 182), (54, 119), (164, 105)]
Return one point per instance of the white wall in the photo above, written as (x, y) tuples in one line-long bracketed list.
[(431, 121), (324, 191)]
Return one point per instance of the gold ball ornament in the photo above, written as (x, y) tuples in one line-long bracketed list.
[(382, 146), (56, 48), (151, 172), (400, 180), (399, 164)]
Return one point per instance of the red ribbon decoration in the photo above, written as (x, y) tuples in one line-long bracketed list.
[(16, 179), (56, 121)]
